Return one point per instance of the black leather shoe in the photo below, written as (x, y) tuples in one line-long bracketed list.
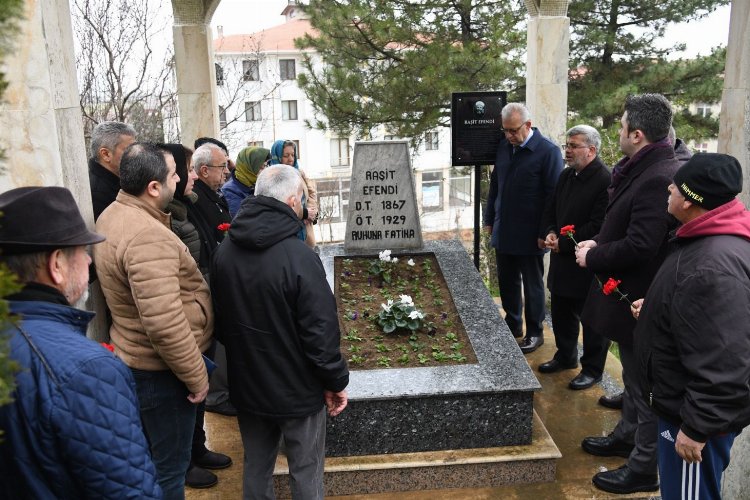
[(200, 478), (531, 344), (554, 365), (624, 480), (213, 460), (583, 381), (614, 402), (226, 408), (606, 446)]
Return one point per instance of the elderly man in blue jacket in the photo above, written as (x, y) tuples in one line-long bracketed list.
[(73, 429), (527, 166)]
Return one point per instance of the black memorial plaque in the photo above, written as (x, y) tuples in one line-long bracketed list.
[(476, 127)]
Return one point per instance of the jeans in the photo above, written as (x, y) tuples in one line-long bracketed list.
[(168, 420)]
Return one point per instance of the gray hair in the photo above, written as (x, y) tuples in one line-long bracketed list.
[(26, 266), (202, 155), (590, 134), (672, 136), (278, 182), (515, 107), (107, 135)]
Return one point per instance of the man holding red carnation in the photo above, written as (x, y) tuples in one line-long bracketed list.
[(578, 202), (630, 246)]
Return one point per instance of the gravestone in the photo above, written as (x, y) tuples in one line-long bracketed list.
[(382, 204)]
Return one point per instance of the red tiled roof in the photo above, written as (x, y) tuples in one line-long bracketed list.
[(277, 38)]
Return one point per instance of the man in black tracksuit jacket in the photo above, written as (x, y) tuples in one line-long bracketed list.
[(276, 315), (693, 334)]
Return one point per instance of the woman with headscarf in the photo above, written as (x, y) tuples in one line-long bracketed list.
[(241, 183), (285, 152)]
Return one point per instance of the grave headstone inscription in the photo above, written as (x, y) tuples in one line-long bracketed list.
[(382, 204)]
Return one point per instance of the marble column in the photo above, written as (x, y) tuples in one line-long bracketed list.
[(194, 67), (41, 118), (547, 41), (734, 121)]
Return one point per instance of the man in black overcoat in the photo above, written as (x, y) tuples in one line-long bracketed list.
[(579, 200), (630, 247)]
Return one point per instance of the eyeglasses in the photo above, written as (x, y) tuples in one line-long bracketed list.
[(512, 130), (219, 166), (573, 146)]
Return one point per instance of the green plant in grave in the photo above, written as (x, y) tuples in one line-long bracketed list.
[(402, 314), (382, 266)]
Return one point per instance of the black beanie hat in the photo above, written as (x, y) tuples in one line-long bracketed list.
[(709, 179)]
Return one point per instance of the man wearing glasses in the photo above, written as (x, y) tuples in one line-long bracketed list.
[(580, 199), (527, 166)]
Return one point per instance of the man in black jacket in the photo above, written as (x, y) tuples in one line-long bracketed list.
[(579, 200), (277, 318), (630, 246), (693, 333), (108, 141)]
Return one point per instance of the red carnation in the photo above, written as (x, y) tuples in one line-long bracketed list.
[(610, 286), (224, 226), (108, 347), (568, 230)]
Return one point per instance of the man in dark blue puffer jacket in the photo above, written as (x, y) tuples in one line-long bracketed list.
[(73, 430)]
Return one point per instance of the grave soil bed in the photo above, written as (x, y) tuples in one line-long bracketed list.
[(441, 341)]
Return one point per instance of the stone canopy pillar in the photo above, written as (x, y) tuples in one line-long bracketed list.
[(547, 43), (194, 67), (40, 116), (734, 124)]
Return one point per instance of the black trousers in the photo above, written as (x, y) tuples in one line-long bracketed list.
[(566, 323), (512, 271)]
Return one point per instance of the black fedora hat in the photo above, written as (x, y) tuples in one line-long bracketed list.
[(34, 219)]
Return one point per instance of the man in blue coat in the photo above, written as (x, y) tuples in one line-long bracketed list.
[(73, 429), (522, 183)]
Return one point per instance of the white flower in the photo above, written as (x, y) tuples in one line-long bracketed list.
[(406, 300), (410, 262), (385, 255), (394, 260), (416, 315), (387, 307)]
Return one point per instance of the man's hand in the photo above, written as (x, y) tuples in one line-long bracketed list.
[(540, 243), (582, 250), (199, 396), (312, 213), (687, 449), (335, 402), (635, 308), (552, 242), (488, 229)]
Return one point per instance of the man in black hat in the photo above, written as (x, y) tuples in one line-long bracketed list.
[(693, 333), (73, 429)]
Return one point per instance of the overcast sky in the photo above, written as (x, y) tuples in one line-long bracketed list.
[(242, 16)]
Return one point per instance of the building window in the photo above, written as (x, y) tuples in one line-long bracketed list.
[(460, 189), (250, 72), (333, 199), (222, 117), (219, 74), (288, 110), (339, 152), (287, 69), (252, 111), (703, 110), (431, 141), (255, 144), (701, 147), (432, 191)]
